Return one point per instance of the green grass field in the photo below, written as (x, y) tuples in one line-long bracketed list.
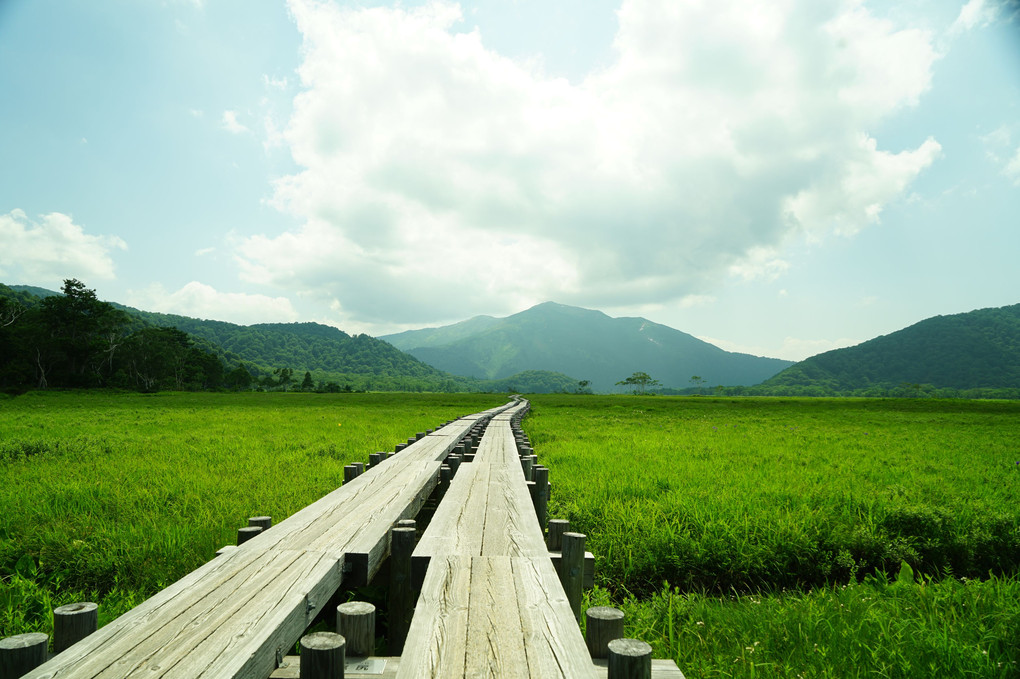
[(767, 537), (744, 537)]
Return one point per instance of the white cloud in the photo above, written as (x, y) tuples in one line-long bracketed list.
[(437, 173), (53, 248), (976, 13), (199, 300), (230, 123), (1012, 168)]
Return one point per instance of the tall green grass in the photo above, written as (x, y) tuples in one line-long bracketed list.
[(114, 496), (744, 494), (798, 538)]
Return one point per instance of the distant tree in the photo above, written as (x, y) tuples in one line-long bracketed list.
[(583, 387), (307, 384), (698, 382), (641, 381)]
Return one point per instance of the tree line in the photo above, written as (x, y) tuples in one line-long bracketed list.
[(75, 340)]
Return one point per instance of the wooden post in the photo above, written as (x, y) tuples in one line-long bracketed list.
[(355, 622), (401, 599), (572, 570), (541, 495), (247, 533), (420, 435), (445, 475), (526, 467), (400, 446), (360, 466), (350, 473), (263, 522), (323, 656), (454, 462), (22, 653), (630, 659), (374, 459), (557, 527), (72, 623), (602, 625)]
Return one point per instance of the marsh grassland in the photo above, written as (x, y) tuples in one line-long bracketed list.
[(744, 537), (799, 537)]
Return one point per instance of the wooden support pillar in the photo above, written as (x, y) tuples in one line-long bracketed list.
[(323, 656), (355, 622), (526, 466), (360, 466), (72, 623), (401, 594), (630, 659), (22, 653), (453, 461), (247, 533), (541, 495), (350, 473), (374, 459), (263, 522), (445, 476), (557, 527), (572, 570), (400, 446), (602, 625)]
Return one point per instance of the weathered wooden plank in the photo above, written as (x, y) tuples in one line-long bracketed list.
[(458, 525), (495, 645), (437, 641), (552, 638)]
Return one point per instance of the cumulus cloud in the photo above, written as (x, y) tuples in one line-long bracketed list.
[(53, 248), (230, 123), (437, 173), (199, 300), (975, 14)]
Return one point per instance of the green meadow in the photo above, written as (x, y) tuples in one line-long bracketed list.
[(743, 537), (798, 537)]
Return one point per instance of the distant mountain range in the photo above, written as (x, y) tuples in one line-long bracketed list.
[(585, 344), (552, 347), (977, 350)]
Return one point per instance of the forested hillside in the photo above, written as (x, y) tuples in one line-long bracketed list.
[(72, 339), (969, 354)]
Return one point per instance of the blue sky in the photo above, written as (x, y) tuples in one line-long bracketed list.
[(778, 178)]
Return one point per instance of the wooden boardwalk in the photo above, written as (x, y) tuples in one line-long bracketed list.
[(239, 614), (491, 603)]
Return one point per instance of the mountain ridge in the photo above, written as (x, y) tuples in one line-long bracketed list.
[(588, 344)]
